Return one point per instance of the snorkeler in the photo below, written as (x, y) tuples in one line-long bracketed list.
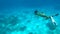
[(41, 14), (44, 15), (53, 23)]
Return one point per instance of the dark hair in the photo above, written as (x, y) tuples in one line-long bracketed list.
[(35, 12)]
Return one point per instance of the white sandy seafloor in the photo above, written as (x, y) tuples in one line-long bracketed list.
[(24, 21)]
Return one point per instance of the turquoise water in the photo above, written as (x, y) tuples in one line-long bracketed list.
[(17, 16)]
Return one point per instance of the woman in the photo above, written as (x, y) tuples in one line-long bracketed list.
[(52, 24), (41, 14)]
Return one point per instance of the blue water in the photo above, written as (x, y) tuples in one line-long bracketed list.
[(17, 16)]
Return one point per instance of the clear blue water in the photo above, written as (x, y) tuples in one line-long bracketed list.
[(17, 16)]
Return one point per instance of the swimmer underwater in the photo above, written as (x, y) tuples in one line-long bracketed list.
[(47, 17)]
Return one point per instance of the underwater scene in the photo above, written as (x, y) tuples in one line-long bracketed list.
[(29, 16)]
